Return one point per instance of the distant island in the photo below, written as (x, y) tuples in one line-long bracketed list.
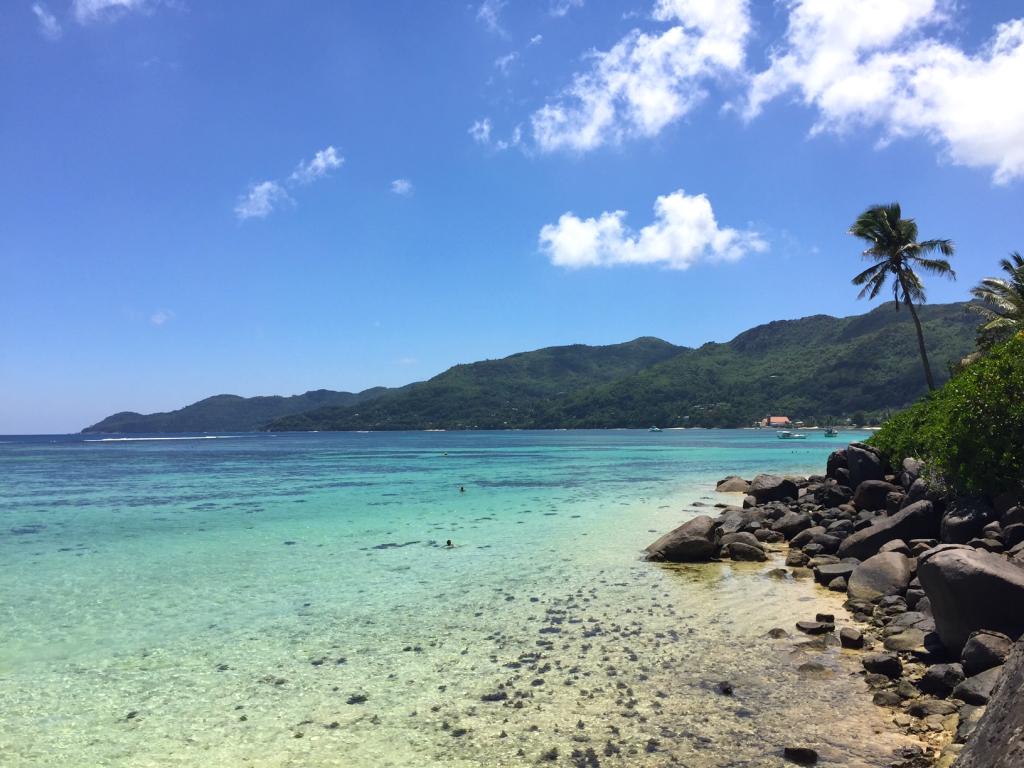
[(814, 369)]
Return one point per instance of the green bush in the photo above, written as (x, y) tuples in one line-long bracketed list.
[(971, 431)]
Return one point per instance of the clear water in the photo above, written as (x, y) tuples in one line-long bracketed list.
[(220, 602)]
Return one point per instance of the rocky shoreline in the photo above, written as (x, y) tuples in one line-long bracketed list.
[(934, 585)]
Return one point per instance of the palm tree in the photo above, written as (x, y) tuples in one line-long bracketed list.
[(896, 253), (1002, 305)]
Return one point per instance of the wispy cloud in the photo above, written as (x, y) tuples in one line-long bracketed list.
[(89, 11), (480, 130), (489, 14), (323, 162), (562, 7), (873, 63), (536, 40), (260, 200), (264, 197), (402, 187), (161, 317), (647, 81), (683, 233), (49, 27), (503, 63)]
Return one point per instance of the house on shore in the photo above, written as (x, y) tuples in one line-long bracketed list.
[(776, 421)]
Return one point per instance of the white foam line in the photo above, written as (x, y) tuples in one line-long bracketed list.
[(143, 439)]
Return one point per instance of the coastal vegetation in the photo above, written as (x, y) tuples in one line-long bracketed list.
[(971, 432), (896, 252), (1001, 302)]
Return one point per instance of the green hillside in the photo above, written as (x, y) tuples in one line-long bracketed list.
[(228, 413), (493, 394)]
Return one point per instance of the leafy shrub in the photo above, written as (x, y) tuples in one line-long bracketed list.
[(972, 429)]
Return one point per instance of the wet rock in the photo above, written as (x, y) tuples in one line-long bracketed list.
[(940, 679), (977, 689), (724, 687), (970, 590), (796, 559), (800, 755), (777, 633), (917, 521), (838, 584), (926, 707), (746, 552), (826, 572), (883, 664), (886, 698), (985, 649), (851, 638), (815, 627), (887, 573), (693, 541), (357, 698)]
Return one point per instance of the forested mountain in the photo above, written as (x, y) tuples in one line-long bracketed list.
[(229, 413), (814, 368)]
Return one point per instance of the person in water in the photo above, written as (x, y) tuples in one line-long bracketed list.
[(462, 489), (449, 544)]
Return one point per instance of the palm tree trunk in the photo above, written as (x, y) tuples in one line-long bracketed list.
[(920, 338)]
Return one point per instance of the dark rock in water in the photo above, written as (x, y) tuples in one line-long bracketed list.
[(815, 627), (998, 739), (777, 633), (357, 698), (694, 541), (823, 574), (970, 590), (985, 649), (864, 463), (909, 639), (887, 573), (742, 537), (733, 484), (773, 488), (964, 519), (725, 688), (940, 679), (851, 638), (496, 696), (796, 559), (838, 584), (883, 664), (791, 523), (800, 755), (978, 689), (918, 521), (886, 699), (828, 618), (871, 494), (740, 551)]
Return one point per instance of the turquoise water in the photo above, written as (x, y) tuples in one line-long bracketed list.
[(287, 600)]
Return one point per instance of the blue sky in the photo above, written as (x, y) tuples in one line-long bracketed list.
[(270, 197)]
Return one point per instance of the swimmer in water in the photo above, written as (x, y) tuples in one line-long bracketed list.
[(449, 544), (462, 489)]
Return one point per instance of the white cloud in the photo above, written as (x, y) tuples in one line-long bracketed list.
[(513, 141), (161, 317), (536, 40), (870, 63), (260, 200), (489, 14), (684, 232), (645, 82), (504, 62), (323, 162), (562, 7), (480, 130), (49, 27), (88, 11), (402, 187)]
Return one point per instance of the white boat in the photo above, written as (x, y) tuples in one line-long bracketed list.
[(654, 429), (791, 436)]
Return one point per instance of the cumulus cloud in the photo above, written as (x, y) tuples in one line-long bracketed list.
[(562, 7), (323, 162), (402, 187), (683, 233), (88, 11), (878, 63), (480, 130), (49, 27), (647, 81), (260, 200)]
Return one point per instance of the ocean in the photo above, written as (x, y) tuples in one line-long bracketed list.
[(289, 600)]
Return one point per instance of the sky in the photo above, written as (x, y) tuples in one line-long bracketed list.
[(271, 197)]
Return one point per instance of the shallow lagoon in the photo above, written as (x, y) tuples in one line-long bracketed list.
[(220, 602)]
